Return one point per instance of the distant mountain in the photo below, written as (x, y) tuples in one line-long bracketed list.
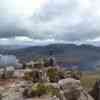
[(88, 55), (11, 47)]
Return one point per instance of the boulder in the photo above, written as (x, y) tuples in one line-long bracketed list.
[(70, 89), (69, 83)]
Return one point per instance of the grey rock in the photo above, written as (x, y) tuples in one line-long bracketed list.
[(72, 90)]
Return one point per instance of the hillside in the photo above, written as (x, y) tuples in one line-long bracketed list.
[(89, 56)]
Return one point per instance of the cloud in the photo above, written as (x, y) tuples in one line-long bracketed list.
[(75, 21), (26, 41)]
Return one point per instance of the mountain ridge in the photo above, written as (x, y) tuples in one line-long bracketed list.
[(88, 55)]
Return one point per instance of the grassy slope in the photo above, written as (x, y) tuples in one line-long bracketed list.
[(88, 79)]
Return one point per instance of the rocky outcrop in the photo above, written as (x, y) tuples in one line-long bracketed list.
[(70, 89), (65, 89), (67, 84)]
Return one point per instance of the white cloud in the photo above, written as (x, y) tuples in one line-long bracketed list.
[(20, 7), (75, 21), (22, 38), (27, 41)]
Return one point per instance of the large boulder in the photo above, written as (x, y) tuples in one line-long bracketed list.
[(71, 90)]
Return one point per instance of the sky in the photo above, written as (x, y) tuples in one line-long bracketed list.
[(41, 22)]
